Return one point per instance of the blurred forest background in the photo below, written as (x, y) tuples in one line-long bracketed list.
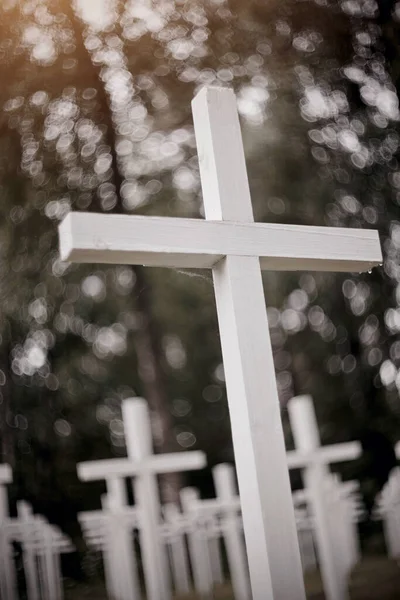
[(95, 115)]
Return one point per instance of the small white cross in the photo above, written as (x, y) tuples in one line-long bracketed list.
[(236, 249), (7, 568), (144, 466), (111, 531), (5, 478), (225, 488), (314, 458)]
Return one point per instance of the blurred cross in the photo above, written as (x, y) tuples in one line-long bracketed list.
[(42, 545), (236, 249), (8, 585), (5, 478), (314, 459), (110, 530), (142, 464)]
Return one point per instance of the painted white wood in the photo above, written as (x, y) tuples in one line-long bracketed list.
[(267, 509), (31, 576), (106, 543), (139, 445), (397, 449), (159, 463), (124, 561), (330, 453), (52, 585), (305, 532), (225, 487), (5, 474), (175, 539), (144, 467), (236, 249), (8, 584), (343, 509), (42, 545), (198, 547), (306, 437), (387, 508), (214, 551), (5, 478), (196, 243), (110, 531)]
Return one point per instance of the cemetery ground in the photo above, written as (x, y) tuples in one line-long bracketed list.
[(374, 578)]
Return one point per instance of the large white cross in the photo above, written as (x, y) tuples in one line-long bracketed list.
[(144, 466), (236, 249), (314, 459)]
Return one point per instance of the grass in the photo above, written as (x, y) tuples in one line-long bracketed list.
[(375, 578)]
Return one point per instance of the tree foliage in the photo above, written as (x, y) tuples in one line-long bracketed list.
[(95, 115)]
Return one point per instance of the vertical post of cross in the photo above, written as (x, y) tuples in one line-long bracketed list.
[(224, 482), (268, 513), (306, 438), (139, 444)]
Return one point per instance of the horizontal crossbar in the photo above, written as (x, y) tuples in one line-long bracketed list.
[(96, 470), (324, 455), (5, 474), (197, 243)]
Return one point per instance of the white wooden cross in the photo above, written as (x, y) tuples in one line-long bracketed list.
[(387, 508), (305, 533), (225, 488), (42, 545), (8, 585), (197, 544), (173, 531), (346, 510), (142, 464), (5, 478), (314, 459), (236, 249), (110, 530)]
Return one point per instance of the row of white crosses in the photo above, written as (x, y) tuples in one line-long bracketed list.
[(237, 250), (387, 509), (42, 546), (204, 522), (314, 460), (110, 531), (41, 543), (143, 467), (8, 583)]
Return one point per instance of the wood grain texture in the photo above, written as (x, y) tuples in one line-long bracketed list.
[(196, 243), (267, 509), (223, 174), (258, 442)]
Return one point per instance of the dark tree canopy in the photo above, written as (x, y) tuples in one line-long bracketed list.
[(95, 115)]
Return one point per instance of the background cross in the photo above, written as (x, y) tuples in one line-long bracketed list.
[(144, 466), (314, 459)]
